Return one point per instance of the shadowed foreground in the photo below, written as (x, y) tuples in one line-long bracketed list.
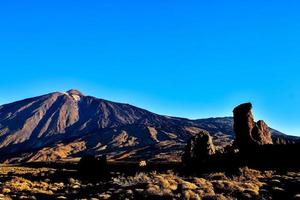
[(20, 182)]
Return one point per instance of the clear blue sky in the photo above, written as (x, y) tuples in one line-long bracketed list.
[(191, 59)]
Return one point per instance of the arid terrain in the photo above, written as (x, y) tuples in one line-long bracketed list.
[(19, 182), (149, 100), (66, 145), (68, 125)]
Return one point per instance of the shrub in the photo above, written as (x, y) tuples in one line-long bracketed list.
[(92, 167)]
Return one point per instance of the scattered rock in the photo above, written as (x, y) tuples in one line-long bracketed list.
[(277, 190), (47, 180), (6, 190), (276, 182), (189, 194), (104, 196), (188, 186), (72, 180), (59, 185), (139, 190), (129, 192), (296, 197), (142, 163), (61, 197), (76, 186)]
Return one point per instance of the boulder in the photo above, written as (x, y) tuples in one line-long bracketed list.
[(199, 148)]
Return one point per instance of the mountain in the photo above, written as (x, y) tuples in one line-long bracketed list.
[(67, 125)]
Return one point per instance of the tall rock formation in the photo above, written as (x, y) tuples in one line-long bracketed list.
[(248, 133)]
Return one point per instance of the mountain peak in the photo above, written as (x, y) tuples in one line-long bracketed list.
[(63, 125), (74, 92)]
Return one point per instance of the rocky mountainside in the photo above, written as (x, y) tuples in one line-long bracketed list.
[(67, 125)]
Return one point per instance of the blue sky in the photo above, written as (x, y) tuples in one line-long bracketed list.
[(191, 59)]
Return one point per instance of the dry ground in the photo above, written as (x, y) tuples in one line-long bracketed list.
[(46, 183)]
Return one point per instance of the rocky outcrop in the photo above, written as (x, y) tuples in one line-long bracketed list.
[(249, 133), (261, 133), (199, 148)]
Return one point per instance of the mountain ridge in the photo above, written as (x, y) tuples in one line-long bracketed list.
[(62, 125)]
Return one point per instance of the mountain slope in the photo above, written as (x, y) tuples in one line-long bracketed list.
[(69, 124)]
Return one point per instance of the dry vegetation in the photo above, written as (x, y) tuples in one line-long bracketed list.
[(46, 183)]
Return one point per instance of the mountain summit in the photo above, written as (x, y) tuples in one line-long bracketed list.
[(74, 92), (67, 125)]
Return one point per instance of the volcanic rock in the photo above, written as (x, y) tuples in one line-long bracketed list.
[(199, 148), (261, 133), (249, 133)]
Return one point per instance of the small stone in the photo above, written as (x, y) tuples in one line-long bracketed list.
[(276, 181), (33, 198), (104, 196), (72, 180), (188, 186), (24, 197), (54, 189), (59, 185), (51, 172), (6, 190), (246, 196), (296, 197), (139, 190), (47, 180), (61, 197), (277, 189), (129, 191), (76, 186)]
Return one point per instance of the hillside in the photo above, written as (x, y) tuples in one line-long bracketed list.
[(67, 125)]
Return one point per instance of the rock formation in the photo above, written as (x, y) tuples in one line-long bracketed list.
[(249, 133), (261, 133), (199, 148)]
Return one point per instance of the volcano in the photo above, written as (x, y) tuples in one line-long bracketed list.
[(68, 125)]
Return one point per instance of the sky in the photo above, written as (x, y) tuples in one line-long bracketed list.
[(193, 59)]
